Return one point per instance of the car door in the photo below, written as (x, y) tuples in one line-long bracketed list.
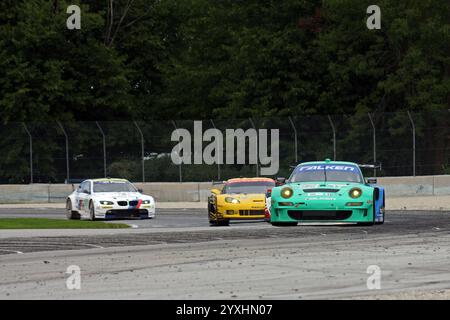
[(83, 197)]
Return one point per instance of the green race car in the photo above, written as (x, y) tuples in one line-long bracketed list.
[(327, 191)]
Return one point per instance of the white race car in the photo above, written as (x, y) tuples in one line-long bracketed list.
[(109, 198)]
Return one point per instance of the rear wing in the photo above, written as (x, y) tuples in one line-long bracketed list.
[(371, 166), (218, 182)]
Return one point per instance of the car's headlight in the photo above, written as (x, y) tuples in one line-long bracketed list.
[(108, 203), (286, 192), (355, 193), (146, 201), (232, 200)]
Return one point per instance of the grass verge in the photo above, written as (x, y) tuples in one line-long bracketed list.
[(43, 223)]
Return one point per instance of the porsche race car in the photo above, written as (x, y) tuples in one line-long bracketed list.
[(108, 199), (239, 199), (327, 191)]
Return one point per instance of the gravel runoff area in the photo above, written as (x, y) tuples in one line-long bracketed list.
[(243, 261)]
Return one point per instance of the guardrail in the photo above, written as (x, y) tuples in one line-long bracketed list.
[(199, 191)]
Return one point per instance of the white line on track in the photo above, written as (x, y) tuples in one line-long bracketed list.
[(15, 251), (92, 245)]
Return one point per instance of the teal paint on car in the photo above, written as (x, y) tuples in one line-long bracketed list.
[(327, 191)]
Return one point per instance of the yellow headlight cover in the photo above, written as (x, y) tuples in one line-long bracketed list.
[(232, 200), (286, 192), (355, 193)]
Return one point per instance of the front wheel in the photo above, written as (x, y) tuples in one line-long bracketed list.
[(70, 214), (92, 211), (221, 223)]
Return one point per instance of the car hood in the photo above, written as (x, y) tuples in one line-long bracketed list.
[(120, 196), (245, 197), (323, 188)]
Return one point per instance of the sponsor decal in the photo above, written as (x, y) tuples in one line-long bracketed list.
[(327, 168), (319, 194)]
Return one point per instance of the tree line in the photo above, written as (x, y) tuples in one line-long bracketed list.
[(221, 59)]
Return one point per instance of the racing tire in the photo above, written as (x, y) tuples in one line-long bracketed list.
[(224, 223), (91, 211), (70, 214), (284, 224), (219, 223), (213, 222)]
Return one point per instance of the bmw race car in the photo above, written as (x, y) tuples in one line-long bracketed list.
[(327, 191), (109, 198), (240, 199)]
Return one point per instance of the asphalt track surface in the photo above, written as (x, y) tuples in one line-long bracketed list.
[(178, 256)]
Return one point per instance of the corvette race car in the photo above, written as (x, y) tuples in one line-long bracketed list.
[(240, 199), (327, 191), (109, 198)]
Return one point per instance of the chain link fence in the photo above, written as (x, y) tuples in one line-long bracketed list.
[(404, 143)]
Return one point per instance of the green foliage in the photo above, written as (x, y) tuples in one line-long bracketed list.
[(227, 59)]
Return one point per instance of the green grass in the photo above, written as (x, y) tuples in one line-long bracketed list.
[(42, 223)]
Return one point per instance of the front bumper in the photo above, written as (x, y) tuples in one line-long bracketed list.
[(117, 212), (347, 214), (240, 212)]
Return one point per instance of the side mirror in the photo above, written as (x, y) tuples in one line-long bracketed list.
[(140, 190), (281, 181), (371, 180), (215, 191)]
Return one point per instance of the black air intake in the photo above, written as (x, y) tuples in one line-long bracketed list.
[(319, 214)]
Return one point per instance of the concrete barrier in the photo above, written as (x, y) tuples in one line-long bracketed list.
[(408, 186), (177, 192), (199, 191)]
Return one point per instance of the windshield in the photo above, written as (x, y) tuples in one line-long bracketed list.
[(114, 186), (335, 173), (248, 187)]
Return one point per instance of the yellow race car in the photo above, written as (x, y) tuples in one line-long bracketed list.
[(239, 199)]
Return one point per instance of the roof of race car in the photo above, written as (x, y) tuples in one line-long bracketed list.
[(109, 179), (236, 180), (328, 162)]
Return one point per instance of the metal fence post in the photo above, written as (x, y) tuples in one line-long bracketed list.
[(374, 143), (414, 142), (67, 151), (104, 147), (295, 140), (30, 137), (218, 158), (334, 136), (257, 156), (142, 150), (179, 166)]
